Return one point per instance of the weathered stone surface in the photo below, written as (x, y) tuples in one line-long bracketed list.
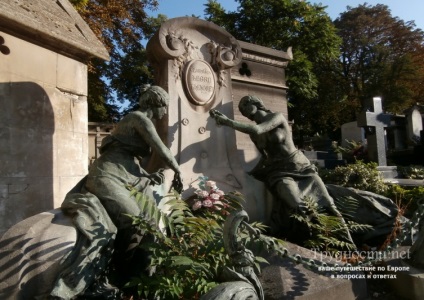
[(52, 24), (283, 279), (30, 253), (43, 93)]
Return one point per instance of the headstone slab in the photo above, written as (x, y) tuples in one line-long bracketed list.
[(191, 58), (352, 132), (415, 124)]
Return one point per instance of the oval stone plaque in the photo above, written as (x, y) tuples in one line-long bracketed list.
[(199, 81)]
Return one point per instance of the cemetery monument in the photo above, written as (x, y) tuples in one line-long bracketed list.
[(194, 61)]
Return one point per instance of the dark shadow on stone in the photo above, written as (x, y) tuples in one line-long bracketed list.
[(300, 282), (29, 265), (26, 135)]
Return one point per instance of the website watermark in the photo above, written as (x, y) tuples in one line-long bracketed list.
[(336, 264), (343, 256)]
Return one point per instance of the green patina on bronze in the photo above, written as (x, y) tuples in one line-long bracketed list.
[(100, 204), (290, 176)]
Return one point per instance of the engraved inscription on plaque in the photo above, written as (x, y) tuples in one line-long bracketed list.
[(199, 80)]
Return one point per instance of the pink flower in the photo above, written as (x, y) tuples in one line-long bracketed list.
[(202, 194), (207, 203), (197, 205)]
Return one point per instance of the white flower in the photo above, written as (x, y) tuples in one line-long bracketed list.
[(220, 193), (211, 184)]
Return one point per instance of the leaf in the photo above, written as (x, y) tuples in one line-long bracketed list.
[(181, 261)]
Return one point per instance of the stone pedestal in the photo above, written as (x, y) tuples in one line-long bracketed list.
[(387, 172)]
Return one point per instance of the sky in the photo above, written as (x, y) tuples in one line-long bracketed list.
[(406, 10)]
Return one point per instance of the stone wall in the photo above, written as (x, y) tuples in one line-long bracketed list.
[(43, 129), (44, 50)]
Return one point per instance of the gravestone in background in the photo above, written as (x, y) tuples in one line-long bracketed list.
[(44, 48), (415, 124), (203, 67), (351, 132)]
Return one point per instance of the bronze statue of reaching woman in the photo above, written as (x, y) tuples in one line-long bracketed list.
[(290, 177)]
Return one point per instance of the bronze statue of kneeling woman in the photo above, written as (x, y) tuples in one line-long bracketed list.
[(100, 204)]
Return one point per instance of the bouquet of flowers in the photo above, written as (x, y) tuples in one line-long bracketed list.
[(208, 196)]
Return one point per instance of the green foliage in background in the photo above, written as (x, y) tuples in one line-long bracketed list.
[(411, 172), (406, 197), (359, 175)]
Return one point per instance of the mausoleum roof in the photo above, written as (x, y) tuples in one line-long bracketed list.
[(52, 24)]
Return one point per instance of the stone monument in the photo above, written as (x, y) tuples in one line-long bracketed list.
[(203, 67), (45, 47)]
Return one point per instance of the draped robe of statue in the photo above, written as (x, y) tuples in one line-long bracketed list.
[(294, 175), (99, 205)]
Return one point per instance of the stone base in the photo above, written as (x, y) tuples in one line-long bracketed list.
[(405, 181), (410, 284), (388, 172), (283, 279)]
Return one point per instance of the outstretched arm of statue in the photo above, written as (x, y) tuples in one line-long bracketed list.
[(269, 122), (222, 119)]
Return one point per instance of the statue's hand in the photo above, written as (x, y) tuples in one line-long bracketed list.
[(157, 177), (177, 183), (219, 117)]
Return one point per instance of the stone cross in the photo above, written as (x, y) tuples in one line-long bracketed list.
[(376, 120)]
